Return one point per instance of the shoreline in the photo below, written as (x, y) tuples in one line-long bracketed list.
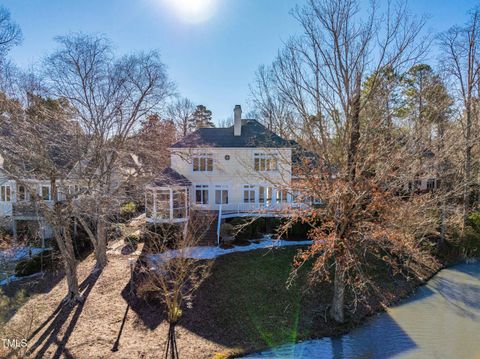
[(346, 327)]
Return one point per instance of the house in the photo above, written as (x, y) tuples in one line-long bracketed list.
[(17, 208), (20, 207), (242, 170)]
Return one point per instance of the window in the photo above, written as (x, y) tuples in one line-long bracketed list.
[(431, 184), (46, 193), (203, 163), (265, 162), (179, 205), (265, 195), (21, 193), (221, 194), (248, 193), (149, 204), (163, 204), (281, 196), (201, 194), (5, 193)]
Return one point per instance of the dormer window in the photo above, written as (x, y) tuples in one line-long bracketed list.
[(203, 163), (264, 162)]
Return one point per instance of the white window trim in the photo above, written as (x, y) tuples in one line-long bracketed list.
[(267, 158), (6, 196), (202, 187), (221, 187), (200, 156), (49, 192), (250, 188)]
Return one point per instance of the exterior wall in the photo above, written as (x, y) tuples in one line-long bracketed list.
[(233, 173)]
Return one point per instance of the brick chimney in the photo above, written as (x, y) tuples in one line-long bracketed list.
[(237, 120)]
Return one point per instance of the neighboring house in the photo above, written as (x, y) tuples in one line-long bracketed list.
[(242, 170), (20, 212), (17, 206)]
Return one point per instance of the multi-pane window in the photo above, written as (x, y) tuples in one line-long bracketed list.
[(265, 162), (5, 193), (203, 163), (431, 184), (265, 195), (281, 196), (248, 193), (21, 193), (163, 204), (149, 204), (179, 204), (201, 194), (45, 192), (221, 194)]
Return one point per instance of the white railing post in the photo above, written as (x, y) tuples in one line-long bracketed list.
[(219, 222)]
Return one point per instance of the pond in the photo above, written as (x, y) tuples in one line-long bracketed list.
[(442, 320)]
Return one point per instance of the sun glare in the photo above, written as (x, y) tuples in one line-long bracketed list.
[(192, 11)]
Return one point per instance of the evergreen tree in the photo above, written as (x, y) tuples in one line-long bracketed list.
[(201, 118)]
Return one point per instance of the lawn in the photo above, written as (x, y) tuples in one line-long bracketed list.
[(246, 303)]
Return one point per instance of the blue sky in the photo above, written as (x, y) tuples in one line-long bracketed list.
[(212, 61)]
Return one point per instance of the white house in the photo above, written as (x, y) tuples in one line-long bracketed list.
[(16, 203), (241, 170)]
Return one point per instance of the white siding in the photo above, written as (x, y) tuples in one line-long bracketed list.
[(235, 172)]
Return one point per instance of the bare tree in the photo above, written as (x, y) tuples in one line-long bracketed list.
[(269, 105), (10, 33), (181, 112), (174, 274), (358, 168), (461, 63), (109, 96), (41, 143)]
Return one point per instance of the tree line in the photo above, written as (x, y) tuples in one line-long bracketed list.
[(355, 91)]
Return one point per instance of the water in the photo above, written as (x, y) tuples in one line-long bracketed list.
[(442, 320)]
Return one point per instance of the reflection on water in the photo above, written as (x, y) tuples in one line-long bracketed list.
[(442, 320)]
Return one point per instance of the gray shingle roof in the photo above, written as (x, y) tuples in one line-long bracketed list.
[(170, 177), (253, 134)]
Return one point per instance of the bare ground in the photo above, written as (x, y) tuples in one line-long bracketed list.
[(90, 330)]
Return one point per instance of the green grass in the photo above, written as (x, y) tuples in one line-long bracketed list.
[(246, 298)]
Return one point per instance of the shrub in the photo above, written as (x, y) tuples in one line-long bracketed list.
[(471, 243), (127, 211), (128, 208), (34, 265), (298, 231), (245, 228), (226, 230), (132, 239)]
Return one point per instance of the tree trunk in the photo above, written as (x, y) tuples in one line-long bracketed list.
[(354, 115), (337, 309), (171, 351), (61, 228), (101, 248)]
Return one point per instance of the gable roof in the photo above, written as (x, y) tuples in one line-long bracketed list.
[(254, 134)]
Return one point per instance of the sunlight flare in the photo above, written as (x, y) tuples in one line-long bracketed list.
[(192, 11)]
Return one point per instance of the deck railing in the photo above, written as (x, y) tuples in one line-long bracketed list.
[(29, 209)]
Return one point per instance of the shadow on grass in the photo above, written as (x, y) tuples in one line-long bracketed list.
[(151, 313), (57, 320)]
